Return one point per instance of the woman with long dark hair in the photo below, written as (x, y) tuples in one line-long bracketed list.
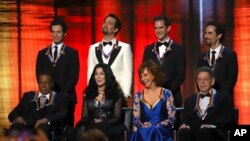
[(103, 102)]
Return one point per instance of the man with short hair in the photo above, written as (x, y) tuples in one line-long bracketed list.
[(221, 59), (44, 109), (113, 52), (207, 114), (169, 55), (63, 63)]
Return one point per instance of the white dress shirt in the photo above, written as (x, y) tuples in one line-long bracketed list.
[(59, 47), (107, 49), (162, 48), (217, 50)]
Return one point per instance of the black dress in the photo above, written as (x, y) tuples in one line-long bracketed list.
[(110, 114)]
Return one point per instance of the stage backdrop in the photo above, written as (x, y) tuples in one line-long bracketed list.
[(24, 30)]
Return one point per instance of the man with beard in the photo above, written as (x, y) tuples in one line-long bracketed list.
[(222, 60), (113, 52)]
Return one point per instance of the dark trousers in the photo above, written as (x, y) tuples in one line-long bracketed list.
[(17, 129), (70, 116), (22, 130), (201, 135)]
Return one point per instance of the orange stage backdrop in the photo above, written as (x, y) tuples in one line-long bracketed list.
[(24, 30)]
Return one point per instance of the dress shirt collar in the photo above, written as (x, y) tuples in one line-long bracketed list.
[(47, 95), (113, 41), (167, 40), (217, 49), (59, 46)]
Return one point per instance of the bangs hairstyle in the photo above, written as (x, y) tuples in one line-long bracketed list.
[(204, 69), (152, 67), (112, 87)]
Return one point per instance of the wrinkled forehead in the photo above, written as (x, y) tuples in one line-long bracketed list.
[(203, 74)]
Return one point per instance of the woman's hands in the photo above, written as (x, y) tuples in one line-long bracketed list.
[(146, 124), (98, 120)]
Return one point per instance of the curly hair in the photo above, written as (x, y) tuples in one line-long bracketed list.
[(151, 66), (112, 87)]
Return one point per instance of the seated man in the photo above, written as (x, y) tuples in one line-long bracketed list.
[(207, 114), (43, 110)]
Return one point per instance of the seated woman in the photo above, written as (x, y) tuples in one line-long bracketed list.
[(154, 109), (102, 104)]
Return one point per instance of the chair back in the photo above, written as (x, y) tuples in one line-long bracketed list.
[(128, 117)]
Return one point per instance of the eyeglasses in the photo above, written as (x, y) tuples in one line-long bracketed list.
[(202, 79)]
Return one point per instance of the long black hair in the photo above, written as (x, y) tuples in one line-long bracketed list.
[(112, 87)]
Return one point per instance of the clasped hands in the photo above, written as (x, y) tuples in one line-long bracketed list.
[(185, 126), (148, 124), (40, 121), (19, 119), (98, 120)]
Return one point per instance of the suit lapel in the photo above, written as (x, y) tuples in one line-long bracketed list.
[(206, 58), (61, 54), (166, 53), (211, 103), (98, 53), (221, 54), (63, 51), (113, 55)]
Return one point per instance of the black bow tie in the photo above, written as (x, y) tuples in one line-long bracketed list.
[(164, 43), (205, 95), (107, 43)]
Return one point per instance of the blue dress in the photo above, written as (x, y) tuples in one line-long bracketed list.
[(161, 115)]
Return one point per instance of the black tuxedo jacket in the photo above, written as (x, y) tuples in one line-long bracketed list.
[(65, 72), (225, 71), (173, 65), (219, 113), (28, 109)]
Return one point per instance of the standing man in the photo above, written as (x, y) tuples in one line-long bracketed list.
[(222, 60), (43, 109), (63, 64), (207, 114), (115, 53), (169, 55)]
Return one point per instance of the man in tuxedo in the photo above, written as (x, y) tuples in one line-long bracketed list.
[(207, 114), (113, 52), (169, 55), (63, 63), (222, 60), (43, 109)]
